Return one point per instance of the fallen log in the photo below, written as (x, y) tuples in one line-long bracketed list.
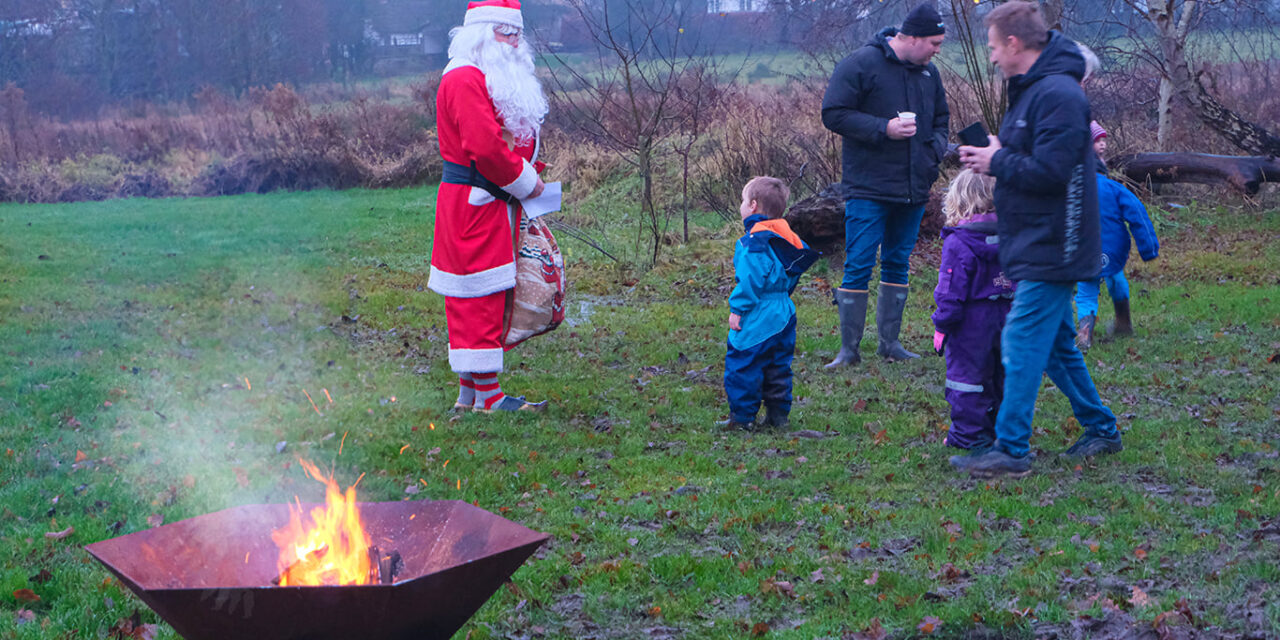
[(1244, 173), (819, 219)]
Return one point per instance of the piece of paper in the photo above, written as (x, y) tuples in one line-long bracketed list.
[(546, 203)]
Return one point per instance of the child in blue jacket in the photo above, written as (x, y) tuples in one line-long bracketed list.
[(767, 263), (1122, 214)]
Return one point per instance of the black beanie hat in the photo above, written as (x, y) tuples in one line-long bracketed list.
[(923, 22)]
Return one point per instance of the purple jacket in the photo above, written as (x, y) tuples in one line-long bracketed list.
[(970, 271)]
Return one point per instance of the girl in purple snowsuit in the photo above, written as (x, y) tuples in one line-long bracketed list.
[(973, 298)]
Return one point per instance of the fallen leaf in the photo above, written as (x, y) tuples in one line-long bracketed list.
[(58, 535), (25, 616), (80, 456), (155, 520), (1139, 598), (929, 624), (42, 577), (875, 577), (760, 628), (817, 576), (241, 477), (25, 595), (873, 632)]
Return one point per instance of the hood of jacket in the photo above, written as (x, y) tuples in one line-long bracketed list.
[(1060, 56), (979, 236), (881, 42), (775, 234)]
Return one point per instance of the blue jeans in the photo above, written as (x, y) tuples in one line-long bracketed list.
[(1087, 292), (1040, 338), (760, 372), (889, 227)]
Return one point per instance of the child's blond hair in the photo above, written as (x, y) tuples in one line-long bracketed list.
[(969, 194)]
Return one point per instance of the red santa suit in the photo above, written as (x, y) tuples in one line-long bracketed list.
[(472, 256)]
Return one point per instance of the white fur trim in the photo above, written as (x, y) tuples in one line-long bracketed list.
[(475, 360), (458, 63), (496, 15), (524, 185), (472, 285), (478, 197)]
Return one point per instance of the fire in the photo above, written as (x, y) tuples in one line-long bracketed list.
[(333, 549)]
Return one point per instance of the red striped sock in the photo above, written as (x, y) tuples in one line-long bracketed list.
[(466, 390), (488, 391)]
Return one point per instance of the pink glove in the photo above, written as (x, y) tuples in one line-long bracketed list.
[(939, 339)]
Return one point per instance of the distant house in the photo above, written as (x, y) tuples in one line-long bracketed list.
[(737, 6), (409, 35), (25, 29)]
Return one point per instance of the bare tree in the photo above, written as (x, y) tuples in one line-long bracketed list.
[(648, 83), (1173, 22)]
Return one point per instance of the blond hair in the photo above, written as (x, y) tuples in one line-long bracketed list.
[(969, 194), (770, 194)]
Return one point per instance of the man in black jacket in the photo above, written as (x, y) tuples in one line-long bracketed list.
[(887, 103), (1050, 236)]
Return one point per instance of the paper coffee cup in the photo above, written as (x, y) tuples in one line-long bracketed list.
[(907, 116)]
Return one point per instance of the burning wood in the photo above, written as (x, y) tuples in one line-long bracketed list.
[(334, 549)]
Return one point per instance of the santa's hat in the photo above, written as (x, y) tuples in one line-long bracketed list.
[(494, 12)]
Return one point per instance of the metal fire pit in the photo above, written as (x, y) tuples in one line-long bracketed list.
[(210, 577)]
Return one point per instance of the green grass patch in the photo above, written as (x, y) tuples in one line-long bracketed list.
[(154, 354)]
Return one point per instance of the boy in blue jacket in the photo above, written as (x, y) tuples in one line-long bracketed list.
[(767, 263), (1118, 208)]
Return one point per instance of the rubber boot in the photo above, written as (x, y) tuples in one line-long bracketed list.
[(889, 307), (1123, 325), (852, 308), (1084, 332), (776, 418)]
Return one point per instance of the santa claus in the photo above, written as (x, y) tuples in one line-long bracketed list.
[(489, 110)]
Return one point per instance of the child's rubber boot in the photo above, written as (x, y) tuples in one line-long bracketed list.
[(1123, 325), (735, 424), (1084, 332), (776, 418), (852, 308), (889, 308)]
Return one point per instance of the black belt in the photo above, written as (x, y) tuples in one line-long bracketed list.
[(455, 173)]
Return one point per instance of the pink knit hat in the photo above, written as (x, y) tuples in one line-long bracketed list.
[(494, 11), (1097, 131)]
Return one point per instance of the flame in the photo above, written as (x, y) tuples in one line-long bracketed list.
[(333, 549)]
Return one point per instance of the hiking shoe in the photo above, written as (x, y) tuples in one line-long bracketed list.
[(515, 403), (993, 463), (459, 407), (1090, 445)]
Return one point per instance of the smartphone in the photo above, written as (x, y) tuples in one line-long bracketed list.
[(974, 135)]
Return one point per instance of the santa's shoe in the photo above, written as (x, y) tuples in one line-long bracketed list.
[(513, 404)]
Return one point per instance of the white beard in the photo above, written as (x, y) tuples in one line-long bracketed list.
[(509, 76)]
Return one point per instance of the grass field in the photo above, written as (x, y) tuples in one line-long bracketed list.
[(153, 355)]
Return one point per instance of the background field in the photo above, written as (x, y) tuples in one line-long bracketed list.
[(156, 352)]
